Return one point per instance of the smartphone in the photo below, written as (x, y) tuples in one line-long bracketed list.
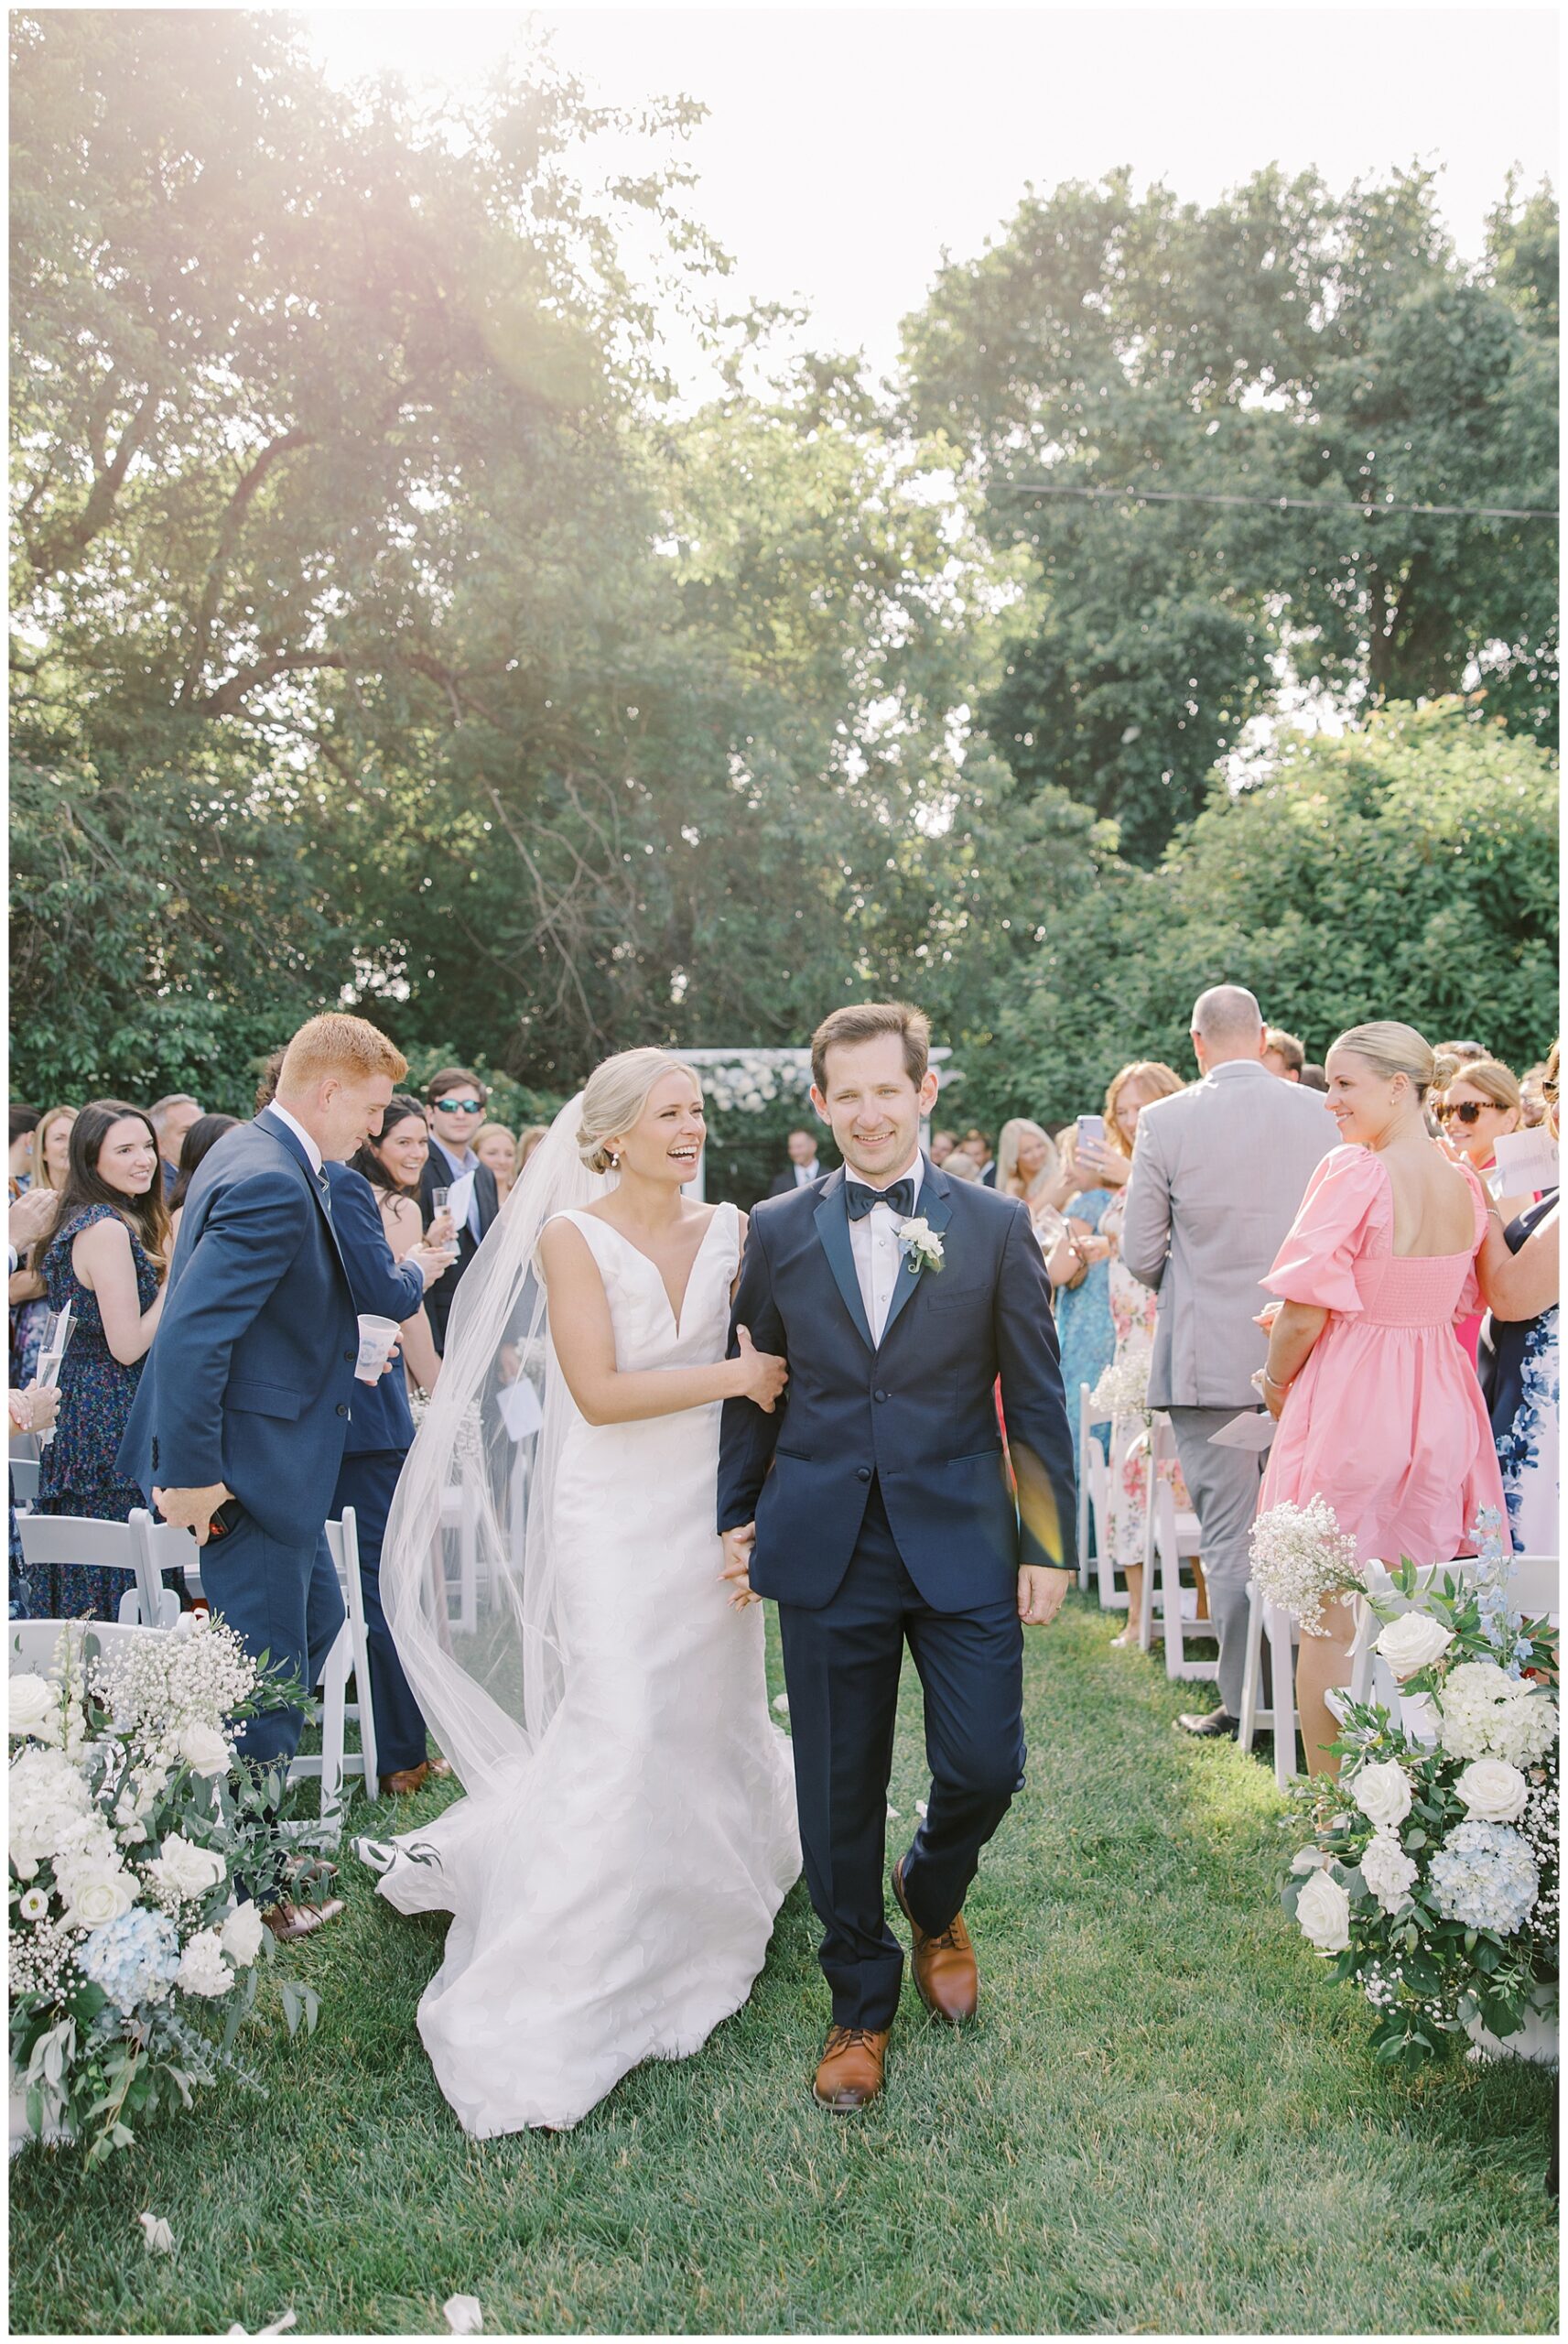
[(227, 1517), (1091, 1132)]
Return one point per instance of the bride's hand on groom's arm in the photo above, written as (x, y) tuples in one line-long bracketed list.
[(760, 1376), (1041, 1593), (738, 1545)]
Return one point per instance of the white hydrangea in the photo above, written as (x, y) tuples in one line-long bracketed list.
[(46, 1796), (1488, 1714), (1300, 1557)]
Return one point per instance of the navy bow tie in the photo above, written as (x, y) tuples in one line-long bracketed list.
[(860, 1200)]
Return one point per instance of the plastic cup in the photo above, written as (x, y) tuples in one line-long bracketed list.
[(377, 1338)]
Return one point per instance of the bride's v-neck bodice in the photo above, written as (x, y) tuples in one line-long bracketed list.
[(646, 1334)]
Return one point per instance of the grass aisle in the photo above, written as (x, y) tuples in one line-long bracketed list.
[(1165, 2119)]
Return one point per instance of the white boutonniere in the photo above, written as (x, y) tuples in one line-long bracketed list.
[(921, 1245)]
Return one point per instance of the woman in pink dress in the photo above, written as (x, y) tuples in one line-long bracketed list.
[(1377, 1409)]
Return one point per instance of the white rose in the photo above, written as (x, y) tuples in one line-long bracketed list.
[(1493, 1791), (184, 1869), (1323, 1910), (1383, 1794), (203, 1970), (33, 1703), (205, 1750), (98, 1894), (242, 1934), (1412, 1641), (1388, 1872)]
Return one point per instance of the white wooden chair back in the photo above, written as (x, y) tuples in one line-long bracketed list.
[(1267, 1620), (24, 1483), (1092, 1475), (1535, 1586), (34, 1643), (74, 1542), (349, 1655)]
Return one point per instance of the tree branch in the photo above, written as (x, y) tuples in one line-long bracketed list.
[(228, 537), (228, 700)]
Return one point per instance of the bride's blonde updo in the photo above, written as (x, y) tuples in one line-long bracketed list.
[(1392, 1048), (615, 1095)]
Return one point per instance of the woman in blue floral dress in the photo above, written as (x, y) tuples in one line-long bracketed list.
[(1518, 1276), (106, 1259)]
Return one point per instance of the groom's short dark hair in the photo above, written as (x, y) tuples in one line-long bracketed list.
[(861, 1022)]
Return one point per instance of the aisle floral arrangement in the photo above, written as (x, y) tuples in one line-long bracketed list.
[(1431, 1879), (133, 1958)]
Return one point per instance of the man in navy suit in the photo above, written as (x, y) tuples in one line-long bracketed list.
[(875, 1505), (244, 1401)]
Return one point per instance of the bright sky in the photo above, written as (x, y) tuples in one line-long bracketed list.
[(846, 148)]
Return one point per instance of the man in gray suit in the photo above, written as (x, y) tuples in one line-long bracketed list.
[(1219, 1173)]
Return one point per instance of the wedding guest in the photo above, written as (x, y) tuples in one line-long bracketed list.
[(976, 1144), (1132, 1308), (942, 1147), (1378, 1410), (1461, 1053), (1532, 1097), (1283, 1055), (260, 1306), (1077, 1261), (1314, 1076), (1027, 1163), (25, 1122), (106, 1258), (803, 1166), (961, 1166), (380, 1435), (1479, 1106), (1218, 1170), (496, 1145), (171, 1119), (455, 1103), (528, 1141), (391, 1163), (266, 1081), (29, 1305), (1519, 1275), (203, 1133)]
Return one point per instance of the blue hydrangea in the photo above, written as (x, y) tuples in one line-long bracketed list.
[(1485, 1877), (133, 1958)]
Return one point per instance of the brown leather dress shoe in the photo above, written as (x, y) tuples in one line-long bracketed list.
[(850, 2072), (407, 1781), (947, 1975), (288, 1922)]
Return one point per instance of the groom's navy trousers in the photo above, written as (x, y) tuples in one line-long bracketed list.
[(886, 1514)]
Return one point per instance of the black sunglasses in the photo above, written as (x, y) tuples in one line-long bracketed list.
[(1468, 1110), (460, 1106)]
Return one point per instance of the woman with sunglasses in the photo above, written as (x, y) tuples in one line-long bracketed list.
[(1480, 1105)]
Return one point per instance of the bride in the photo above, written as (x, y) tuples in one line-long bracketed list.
[(551, 1574)]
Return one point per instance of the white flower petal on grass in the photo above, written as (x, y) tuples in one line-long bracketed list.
[(279, 2327), (156, 2236), (780, 1703), (464, 2315), (921, 1809), (893, 1812)]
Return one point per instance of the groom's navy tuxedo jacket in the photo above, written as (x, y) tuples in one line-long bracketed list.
[(916, 1411), (250, 1376)]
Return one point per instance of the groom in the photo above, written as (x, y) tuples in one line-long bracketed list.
[(875, 1506)]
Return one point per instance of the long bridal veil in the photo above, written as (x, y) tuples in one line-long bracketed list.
[(467, 1574)]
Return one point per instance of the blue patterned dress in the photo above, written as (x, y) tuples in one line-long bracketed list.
[(1083, 1325), (1524, 1408), (78, 1471)]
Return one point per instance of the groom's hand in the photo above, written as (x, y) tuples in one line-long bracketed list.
[(1041, 1594), (738, 1545)]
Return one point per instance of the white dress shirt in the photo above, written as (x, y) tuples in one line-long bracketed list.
[(300, 1133), (460, 1163), (806, 1173), (874, 1241)]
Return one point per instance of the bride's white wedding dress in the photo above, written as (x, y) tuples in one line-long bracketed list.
[(613, 1893)]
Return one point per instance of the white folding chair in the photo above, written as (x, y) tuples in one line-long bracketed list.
[(1093, 1475), (460, 1511), (349, 1655), (24, 1483), (73, 1542), (1534, 1584), (1280, 1717), (1170, 1538), (1101, 1463)]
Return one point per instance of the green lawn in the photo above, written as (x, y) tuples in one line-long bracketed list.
[(1165, 2119)]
